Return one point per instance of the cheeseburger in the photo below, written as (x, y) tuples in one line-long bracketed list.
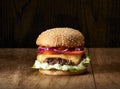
[(61, 52)]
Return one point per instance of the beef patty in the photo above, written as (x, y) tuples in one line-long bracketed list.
[(57, 60), (54, 60)]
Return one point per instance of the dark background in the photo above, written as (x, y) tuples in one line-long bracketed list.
[(23, 20)]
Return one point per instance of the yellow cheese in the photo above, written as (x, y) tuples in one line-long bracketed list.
[(73, 58)]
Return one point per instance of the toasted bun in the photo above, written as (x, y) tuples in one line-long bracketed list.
[(60, 37), (56, 72)]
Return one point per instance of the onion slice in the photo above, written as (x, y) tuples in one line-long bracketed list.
[(60, 51), (55, 49)]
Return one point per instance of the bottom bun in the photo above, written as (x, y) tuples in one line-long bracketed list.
[(56, 72)]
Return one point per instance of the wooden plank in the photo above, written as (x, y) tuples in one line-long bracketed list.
[(16, 73), (106, 67)]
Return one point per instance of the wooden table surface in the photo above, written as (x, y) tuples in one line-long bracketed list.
[(16, 71)]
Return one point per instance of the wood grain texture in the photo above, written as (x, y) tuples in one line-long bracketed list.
[(23, 20), (106, 66), (16, 73)]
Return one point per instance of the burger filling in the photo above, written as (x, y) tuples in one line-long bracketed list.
[(72, 59), (72, 68), (52, 61)]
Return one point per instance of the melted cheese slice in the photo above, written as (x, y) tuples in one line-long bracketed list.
[(73, 58)]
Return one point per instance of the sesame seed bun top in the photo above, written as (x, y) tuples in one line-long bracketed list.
[(60, 37)]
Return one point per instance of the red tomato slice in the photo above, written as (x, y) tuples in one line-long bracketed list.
[(67, 52), (49, 52), (74, 52)]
